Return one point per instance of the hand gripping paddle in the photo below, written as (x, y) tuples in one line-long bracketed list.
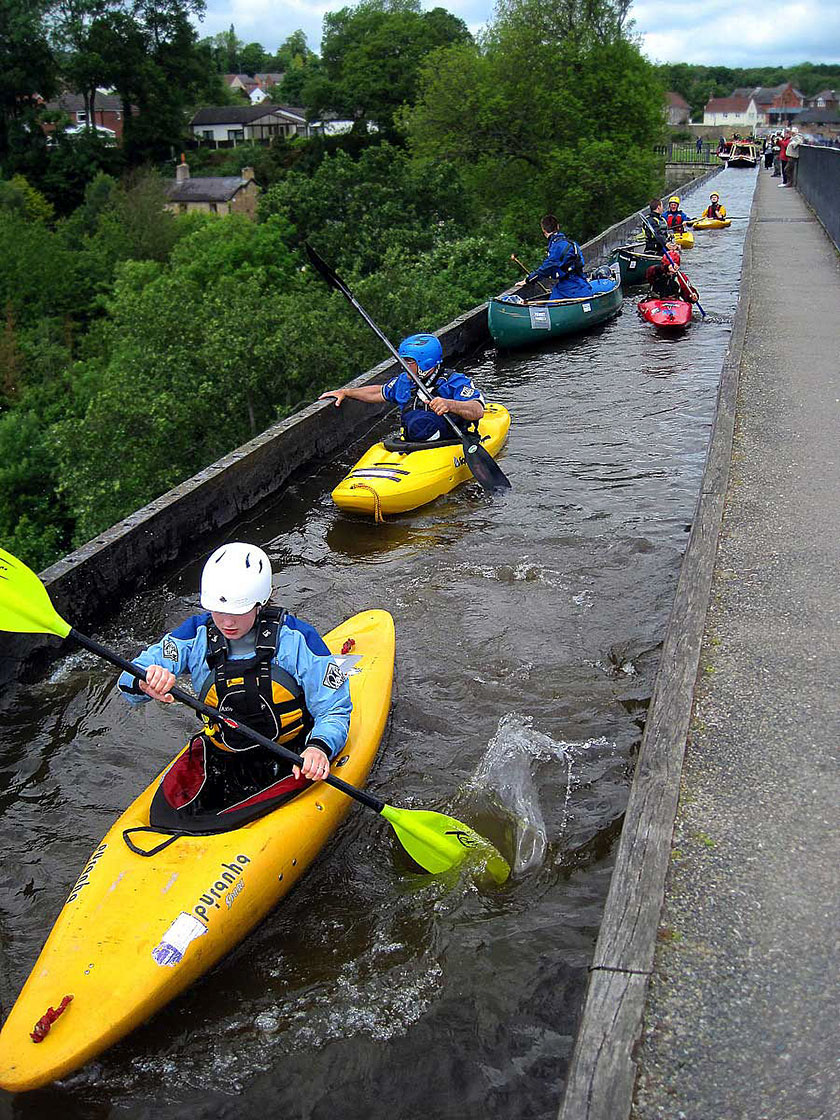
[(484, 467)]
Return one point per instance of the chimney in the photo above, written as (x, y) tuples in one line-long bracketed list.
[(247, 174), (182, 171)]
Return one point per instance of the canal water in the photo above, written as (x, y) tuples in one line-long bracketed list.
[(528, 633)]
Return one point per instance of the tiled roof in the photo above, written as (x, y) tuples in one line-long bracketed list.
[(229, 114), (819, 116), (727, 105), (220, 188), (676, 100), (243, 114), (75, 103)]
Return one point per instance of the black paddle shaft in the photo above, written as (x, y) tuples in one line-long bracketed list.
[(483, 466), (213, 714)]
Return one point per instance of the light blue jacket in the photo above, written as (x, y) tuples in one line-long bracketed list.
[(301, 651)]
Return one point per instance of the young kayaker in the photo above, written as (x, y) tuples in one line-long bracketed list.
[(674, 217), (258, 664), (657, 234), (668, 282), (714, 209), (449, 391)]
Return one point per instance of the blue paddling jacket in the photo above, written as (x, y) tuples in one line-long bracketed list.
[(418, 421), (563, 264), (301, 661)]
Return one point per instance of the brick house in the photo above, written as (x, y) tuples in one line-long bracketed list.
[(107, 111)]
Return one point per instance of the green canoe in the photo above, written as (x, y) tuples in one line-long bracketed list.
[(527, 324), (633, 264)]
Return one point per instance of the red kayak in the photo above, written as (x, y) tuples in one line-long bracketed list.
[(666, 314)]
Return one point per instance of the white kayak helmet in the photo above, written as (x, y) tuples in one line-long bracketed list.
[(236, 578)]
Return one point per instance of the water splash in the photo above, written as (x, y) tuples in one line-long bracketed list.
[(505, 777)]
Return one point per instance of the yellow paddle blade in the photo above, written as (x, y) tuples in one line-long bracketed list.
[(25, 606), (438, 842)]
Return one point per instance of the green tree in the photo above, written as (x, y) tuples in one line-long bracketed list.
[(372, 54), (355, 209), (28, 69), (552, 97)]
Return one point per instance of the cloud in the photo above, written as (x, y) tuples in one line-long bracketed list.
[(713, 32), (270, 22), (745, 33)]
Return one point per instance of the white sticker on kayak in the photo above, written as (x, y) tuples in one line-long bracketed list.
[(586, 307), (540, 319), (176, 940), (340, 668)]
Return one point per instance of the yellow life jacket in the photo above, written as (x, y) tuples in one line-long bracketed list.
[(254, 690)]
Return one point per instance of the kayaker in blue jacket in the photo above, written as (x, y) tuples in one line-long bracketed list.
[(422, 414), (563, 263), (255, 663)]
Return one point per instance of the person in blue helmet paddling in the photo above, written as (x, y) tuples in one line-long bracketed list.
[(448, 391), (260, 665)]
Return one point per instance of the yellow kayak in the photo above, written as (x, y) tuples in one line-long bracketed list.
[(685, 239), (138, 930), (712, 223), (392, 477)]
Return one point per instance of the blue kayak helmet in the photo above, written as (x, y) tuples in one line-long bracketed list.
[(425, 349)]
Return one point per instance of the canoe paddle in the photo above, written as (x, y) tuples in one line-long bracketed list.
[(484, 467), (527, 272), (433, 840), (685, 279)]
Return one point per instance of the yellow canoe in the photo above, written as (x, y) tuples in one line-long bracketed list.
[(389, 480), (685, 239), (136, 931), (712, 223)]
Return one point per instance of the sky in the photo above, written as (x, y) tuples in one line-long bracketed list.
[(712, 32)]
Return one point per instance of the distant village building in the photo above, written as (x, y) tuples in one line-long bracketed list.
[(678, 109), (107, 115), (226, 126), (822, 123), (731, 112), (825, 99), (242, 82), (269, 81), (221, 194), (761, 106)]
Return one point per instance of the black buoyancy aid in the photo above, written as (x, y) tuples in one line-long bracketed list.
[(254, 690), (419, 401)]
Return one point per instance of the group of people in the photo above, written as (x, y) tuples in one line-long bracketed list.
[(261, 665), (781, 154), (666, 279)]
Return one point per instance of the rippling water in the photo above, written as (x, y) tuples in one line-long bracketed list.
[(528, 633)]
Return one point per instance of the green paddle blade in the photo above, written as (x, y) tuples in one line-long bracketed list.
[(25, 606), (438, 842)]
